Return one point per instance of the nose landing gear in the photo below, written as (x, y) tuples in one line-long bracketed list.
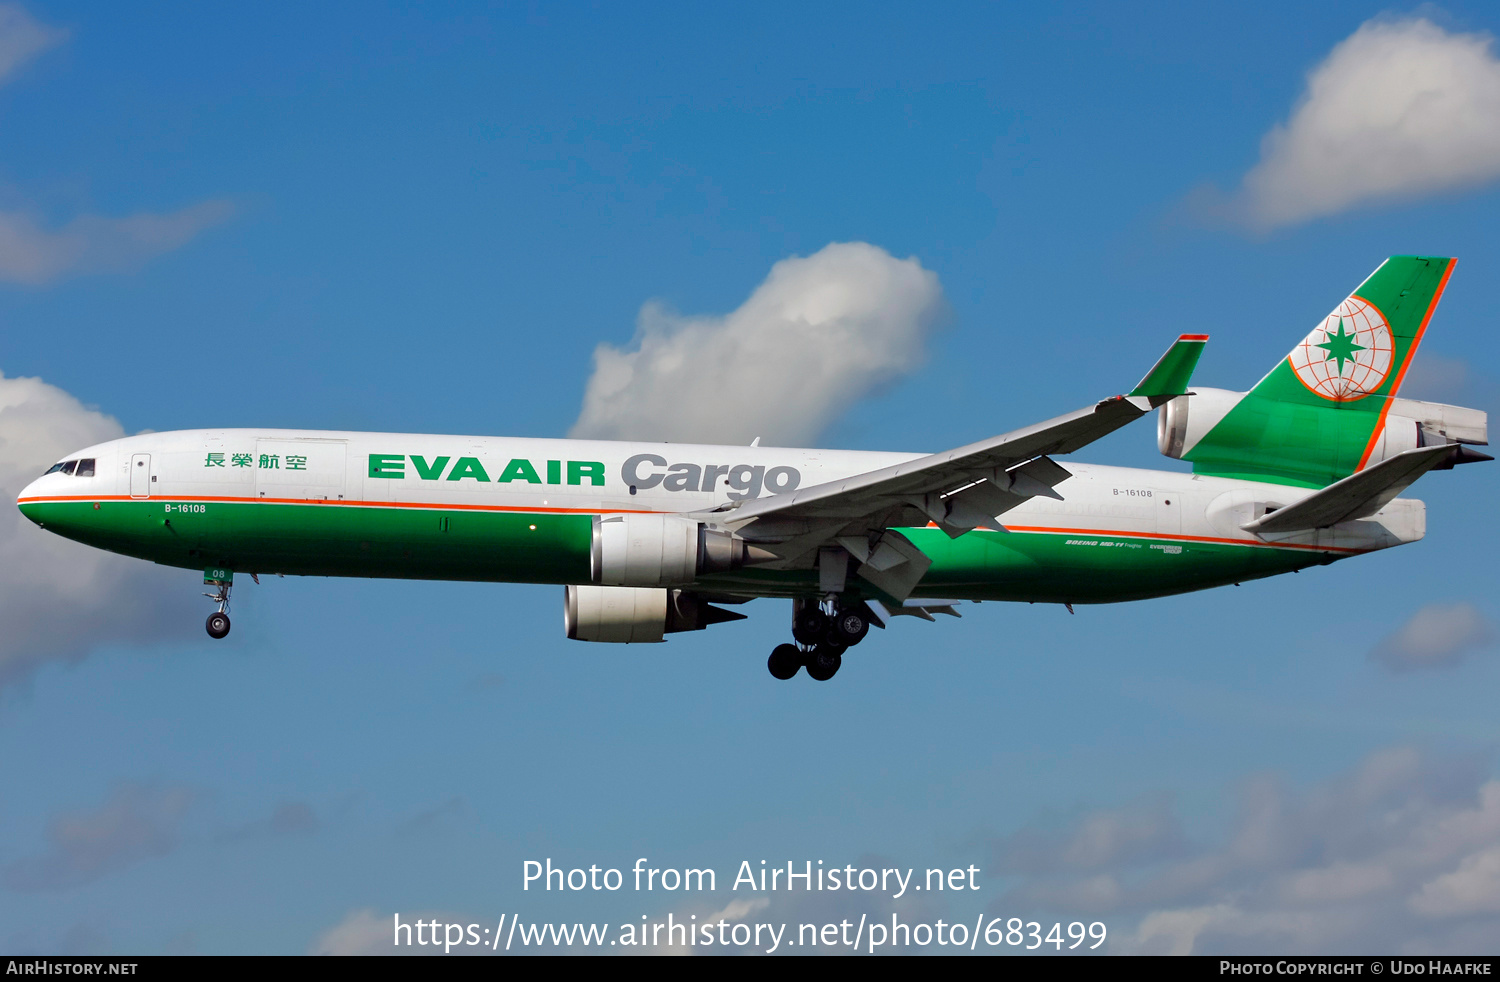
[(823, 631), (218, 622)]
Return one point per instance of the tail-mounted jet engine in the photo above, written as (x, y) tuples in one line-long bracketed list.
[(644, 550), (1184, 421), (629, 614), (1409, 423)]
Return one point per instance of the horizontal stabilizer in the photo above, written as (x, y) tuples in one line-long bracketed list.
[(1169, 377), (1462, 454), (1356, 496)]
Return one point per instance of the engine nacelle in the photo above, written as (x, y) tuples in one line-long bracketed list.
[(634, 615), (1410, 424), (645, 550), (620, 614), (1183, 421)]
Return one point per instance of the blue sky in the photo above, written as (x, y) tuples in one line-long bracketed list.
[(375, 217)]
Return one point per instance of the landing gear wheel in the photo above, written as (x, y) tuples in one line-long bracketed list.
[(218, 625), (784, 661), (849, 628), (823, 662), (810, 625)]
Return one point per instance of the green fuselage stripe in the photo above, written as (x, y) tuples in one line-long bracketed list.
[(453, 543)]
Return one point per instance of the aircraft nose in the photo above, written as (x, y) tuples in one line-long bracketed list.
[(29, 508)]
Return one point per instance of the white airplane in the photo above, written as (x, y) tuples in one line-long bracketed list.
[(650, 539)]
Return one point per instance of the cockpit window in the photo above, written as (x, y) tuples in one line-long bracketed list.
[(85, 468), (54, 469), (67, 468)]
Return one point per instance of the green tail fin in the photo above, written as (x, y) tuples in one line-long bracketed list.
[(1316, 417)]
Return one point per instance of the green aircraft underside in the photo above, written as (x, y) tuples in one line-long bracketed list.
[(541, 547)]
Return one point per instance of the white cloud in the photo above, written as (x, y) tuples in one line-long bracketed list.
[(58, 598), (1473, 888), (1173, 932), (365, 932), (1400, 109), (1098, 840), (1437, 636), (1341, 867), (32, 254), (361, 932), (795, 908), (22, 38), (735, 912), (821, 332)]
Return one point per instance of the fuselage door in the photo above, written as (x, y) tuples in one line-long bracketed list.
[(140, 475)]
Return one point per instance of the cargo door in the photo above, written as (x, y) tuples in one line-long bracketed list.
[(300, 469)]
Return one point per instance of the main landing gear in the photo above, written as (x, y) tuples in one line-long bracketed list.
[(823, 632)]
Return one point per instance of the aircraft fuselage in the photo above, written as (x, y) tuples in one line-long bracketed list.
[(330, 503)]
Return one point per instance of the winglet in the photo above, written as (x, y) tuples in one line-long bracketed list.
[(1169, 377)]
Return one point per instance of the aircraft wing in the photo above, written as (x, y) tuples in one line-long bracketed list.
[(959, 490)]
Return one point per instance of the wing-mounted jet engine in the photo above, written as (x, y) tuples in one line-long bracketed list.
[(636, 615), (652, 550)]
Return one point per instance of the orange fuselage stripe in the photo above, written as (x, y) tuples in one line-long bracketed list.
[(1177, 537), (540, 509)]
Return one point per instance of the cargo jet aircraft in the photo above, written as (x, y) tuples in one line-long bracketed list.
[(650, 539)]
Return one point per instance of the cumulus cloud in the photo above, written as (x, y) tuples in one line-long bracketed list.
[(1141, 830), (58, 598), (366, 932), (1473, 888), (1437, 636), (1400, 109), (33, 254), (821, 332), (22, 38), (795, 908), (1400, 855), (361, 932), (136, 822)]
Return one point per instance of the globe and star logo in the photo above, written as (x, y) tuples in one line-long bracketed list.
[(1348, 356)]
